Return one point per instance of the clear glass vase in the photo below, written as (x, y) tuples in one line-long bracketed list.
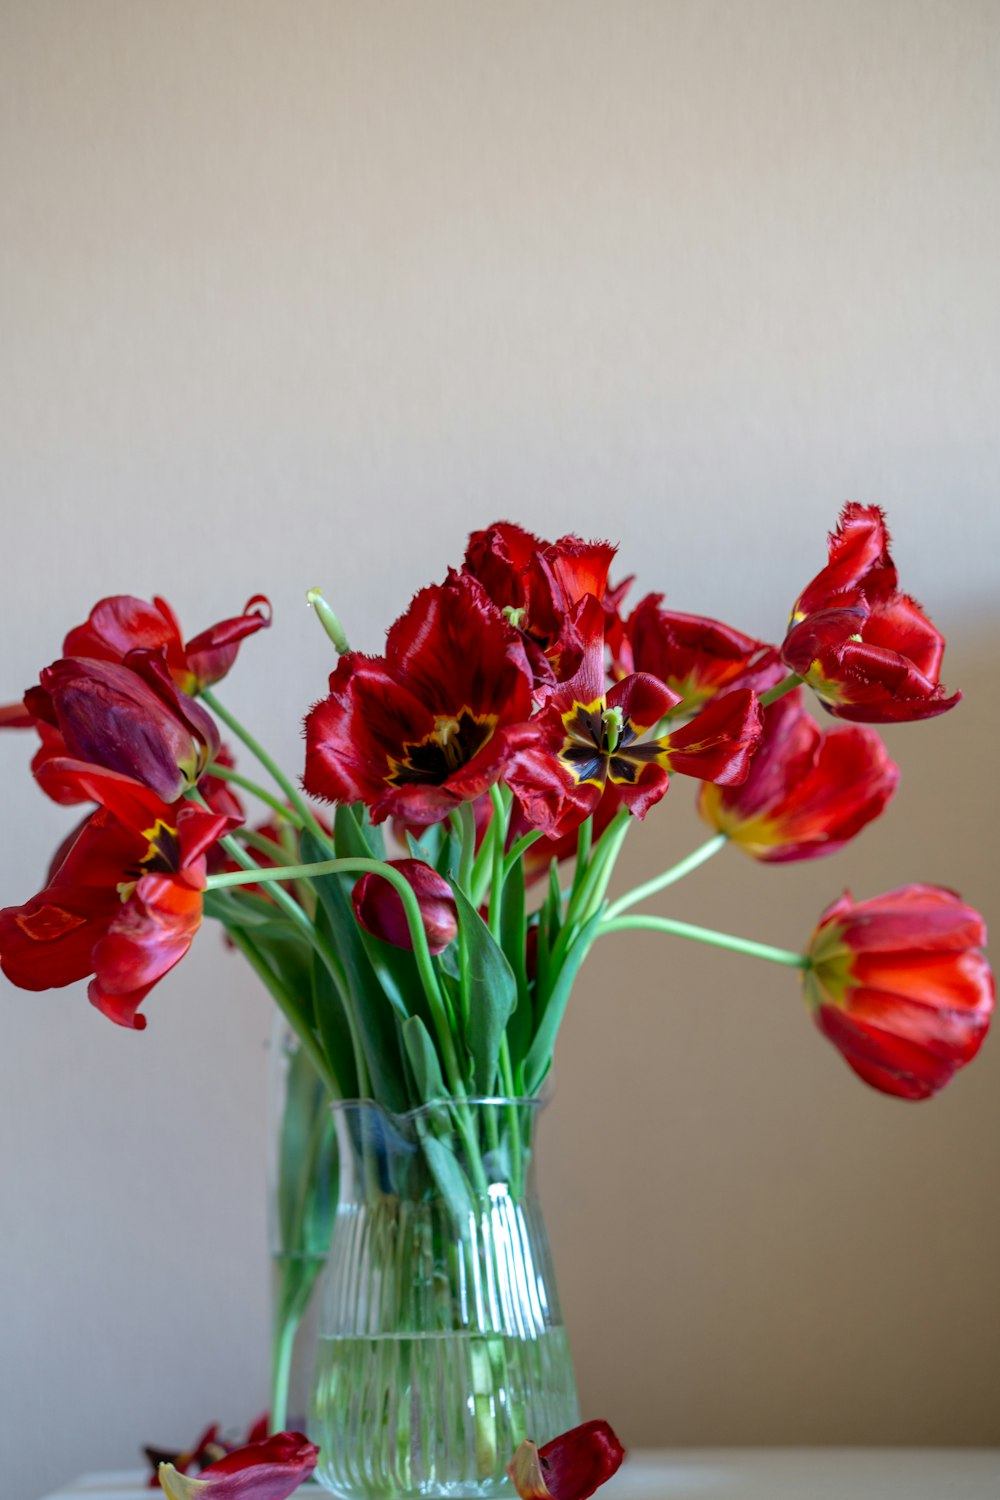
[(301, 1204), (441, 1343)]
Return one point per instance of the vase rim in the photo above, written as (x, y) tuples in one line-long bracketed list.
[(419, 1111)]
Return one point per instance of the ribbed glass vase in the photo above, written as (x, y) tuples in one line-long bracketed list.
[(441, 1343)]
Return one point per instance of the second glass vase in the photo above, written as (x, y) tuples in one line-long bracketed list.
[(441, 1343)]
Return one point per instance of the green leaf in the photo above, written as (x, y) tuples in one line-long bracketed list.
[(539, 1057), (447, 1173), (331, 1020), (513, 940), (489, 993), (424, 1060), (307, 1161), (371, 1009)]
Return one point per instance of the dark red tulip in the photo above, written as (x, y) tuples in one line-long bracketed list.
[(378, 906), (570, 1467), (539, 585), (697, 658), (808, 790), (122, 623), (128, 717), (858, 567), (899, 985), (589, 739), (433, 722), (868, 651), (124, 902), (270, 1470)]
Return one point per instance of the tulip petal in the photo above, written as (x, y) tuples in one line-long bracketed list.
[(270, 1470), (570, 1467)]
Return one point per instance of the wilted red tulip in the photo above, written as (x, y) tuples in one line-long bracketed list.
[(130, 718), (898, 984), (538, 585), (570, 1467), (696, 657), (124, 902), (271, 1470), (859, 565), (122, 623), (808, 790), (869, 652), (588, 739), (432, 723), (379, 907)]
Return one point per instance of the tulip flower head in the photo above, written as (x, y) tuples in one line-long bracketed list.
[(378, 906), (899, 985), (808, 792), (868, 651)]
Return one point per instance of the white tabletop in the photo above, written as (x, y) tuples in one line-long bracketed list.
[(737, 1474)]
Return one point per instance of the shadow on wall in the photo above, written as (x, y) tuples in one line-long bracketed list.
[(754, 1247)]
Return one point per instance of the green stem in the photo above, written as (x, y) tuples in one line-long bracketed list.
[(261, 843), (707, 935), (519, 847), (464, 824), (226, 773), (271, 766), (786, 685), (676, 872), (281, 1365), (499, 832)]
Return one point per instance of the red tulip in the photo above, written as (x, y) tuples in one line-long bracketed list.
[(122, 623), (808, 791), (868, 651), (209, 1448), (271, 1470), (432, 723), (570, 1467), (124, 902), (378, 907), (539, 585), (588, 739), (128, 717), (898, 984), (859, 565), (696, 657)]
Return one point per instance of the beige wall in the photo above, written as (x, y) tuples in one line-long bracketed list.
[(297, 294)]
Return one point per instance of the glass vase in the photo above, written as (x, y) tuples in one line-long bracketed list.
[(301, 1204), (441, 1342)]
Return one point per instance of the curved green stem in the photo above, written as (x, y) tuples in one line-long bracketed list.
[(270, 765), (676, 872), (707, 935), (411, 907), (499, 833), (226, 773), (786, 685), (518, 848)]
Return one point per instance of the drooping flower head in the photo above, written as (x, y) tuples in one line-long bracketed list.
[(433, 722), (590, 737), (124, 901), (128, 717), (868, 651), (538, 586), (698, 658), (808, 790), (570, 1467), (121, 623), (899, 985)]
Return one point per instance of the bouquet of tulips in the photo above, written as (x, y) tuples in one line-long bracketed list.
[(518, 720)]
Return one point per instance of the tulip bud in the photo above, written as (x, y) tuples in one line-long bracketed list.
[(379, 909)]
